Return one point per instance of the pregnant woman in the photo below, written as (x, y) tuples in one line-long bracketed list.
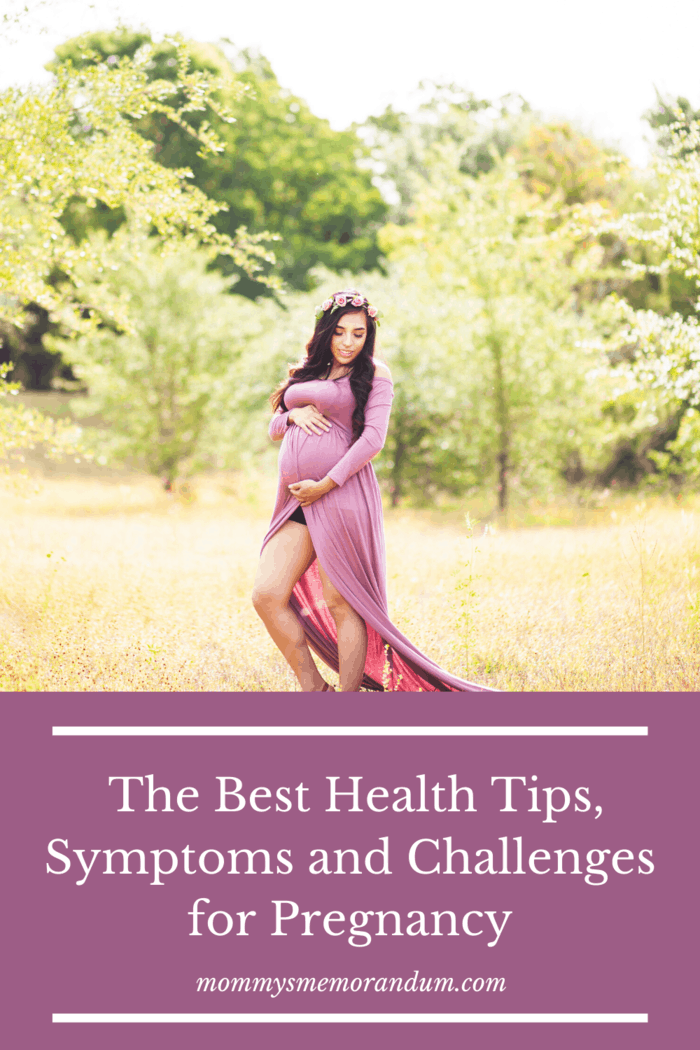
[(321, 582)]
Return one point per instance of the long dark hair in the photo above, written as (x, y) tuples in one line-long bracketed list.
[(319, 361)]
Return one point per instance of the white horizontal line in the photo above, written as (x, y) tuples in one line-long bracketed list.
[(350, 731), (350, 1018)]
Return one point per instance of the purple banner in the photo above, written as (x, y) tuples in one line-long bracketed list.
[(525, 860)]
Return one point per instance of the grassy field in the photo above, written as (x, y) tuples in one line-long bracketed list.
[(109, 584)]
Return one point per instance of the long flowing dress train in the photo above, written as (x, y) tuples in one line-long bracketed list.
[(347, 532)]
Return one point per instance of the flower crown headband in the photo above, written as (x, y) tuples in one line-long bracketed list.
[(351, 298)]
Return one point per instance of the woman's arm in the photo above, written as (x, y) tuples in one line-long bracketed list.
[(307, 417), (278, 425), (372, 439)]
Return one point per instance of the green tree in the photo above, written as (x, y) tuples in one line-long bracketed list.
[(557, 159), (177, 386), (76, 140), (281, 168), (477, 130), (666, 114), (658, 353), (502, 267)]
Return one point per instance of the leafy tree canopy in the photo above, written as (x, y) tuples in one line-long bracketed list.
[(668, 112), (556, 158), (281, 168), (659, 353), (76, 140), (447, 114), (175, 388), (497, 269)]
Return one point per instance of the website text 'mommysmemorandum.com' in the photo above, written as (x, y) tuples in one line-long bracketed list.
[(274, 986)]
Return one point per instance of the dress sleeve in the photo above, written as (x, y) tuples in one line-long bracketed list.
[(278, 425), (372, 439)]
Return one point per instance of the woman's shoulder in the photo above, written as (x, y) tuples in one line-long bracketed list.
[(381, 371)]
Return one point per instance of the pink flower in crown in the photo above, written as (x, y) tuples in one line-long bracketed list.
[(340, 300), (358, 300), (372, 311), (327, 304)]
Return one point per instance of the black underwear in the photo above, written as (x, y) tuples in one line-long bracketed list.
[(298, 515)]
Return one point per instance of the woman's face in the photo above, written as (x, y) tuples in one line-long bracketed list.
[(349, 337)]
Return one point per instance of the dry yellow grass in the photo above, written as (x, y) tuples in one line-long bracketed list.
[(111, 585)]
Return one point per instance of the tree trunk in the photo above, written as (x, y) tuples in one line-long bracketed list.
[(396, 478), (503, 479), (502, 423), (399, 451)]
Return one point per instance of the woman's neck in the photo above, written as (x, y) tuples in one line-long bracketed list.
[(338, 372)]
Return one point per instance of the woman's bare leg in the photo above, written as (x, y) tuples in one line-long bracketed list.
[(352, 636), (283, 562)]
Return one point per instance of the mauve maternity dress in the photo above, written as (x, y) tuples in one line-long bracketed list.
[(347, 532)]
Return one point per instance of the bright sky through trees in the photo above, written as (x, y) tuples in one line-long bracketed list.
[(596, 64)]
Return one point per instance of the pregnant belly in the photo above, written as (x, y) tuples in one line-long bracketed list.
[(310, 456)]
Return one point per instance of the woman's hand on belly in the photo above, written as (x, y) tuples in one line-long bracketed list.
[(309, 491), (309, 419)]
